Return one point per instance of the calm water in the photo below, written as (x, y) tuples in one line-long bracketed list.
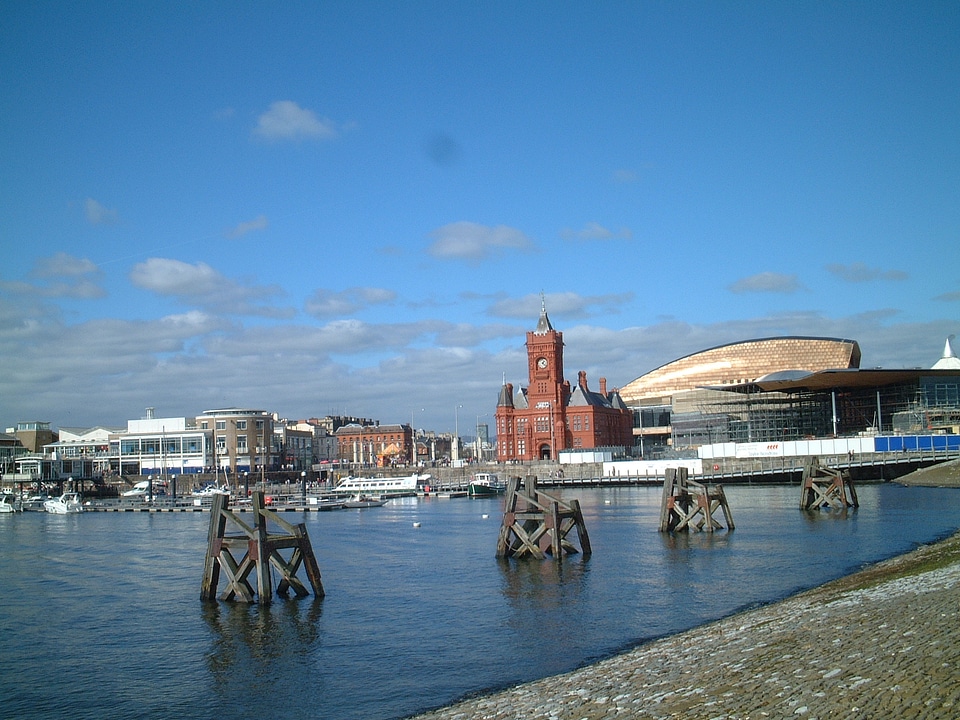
[(100, 613)]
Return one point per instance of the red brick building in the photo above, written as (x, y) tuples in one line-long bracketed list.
[(380, 445), (536, 422)]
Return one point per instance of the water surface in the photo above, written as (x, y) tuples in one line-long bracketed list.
[(101, 614)]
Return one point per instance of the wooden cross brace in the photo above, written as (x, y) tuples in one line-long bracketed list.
[(262, 551), (687, 504), (535, 523), (826, 487)]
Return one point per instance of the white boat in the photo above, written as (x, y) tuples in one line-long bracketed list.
[(137, 490), (66, 503), (406, 484), (363, 501), (210, 491), (9, 503)]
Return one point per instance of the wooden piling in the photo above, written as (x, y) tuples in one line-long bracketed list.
[(686, 503), (261, 548), (536, 523), (826, 487)]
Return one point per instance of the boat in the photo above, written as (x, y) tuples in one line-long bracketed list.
[(137, 490), (9, 503), (66, 503), (486, 484), (210, 490), (363, 501), (406, 484), (34, 503), (329, 504)]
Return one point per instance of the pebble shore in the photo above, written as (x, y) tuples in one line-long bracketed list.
[(881, 643)]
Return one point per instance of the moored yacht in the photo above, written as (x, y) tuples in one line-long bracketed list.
[(66, 503), (9, 503)]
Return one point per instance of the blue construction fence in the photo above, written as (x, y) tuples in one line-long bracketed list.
[(905, 443)]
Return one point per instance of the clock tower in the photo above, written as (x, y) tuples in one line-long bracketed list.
[(545, 363), (537, 422)]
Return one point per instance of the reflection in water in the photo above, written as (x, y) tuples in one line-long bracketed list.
[(828, 513), (259, 652), (544, 583), (693, 540), (541, 596)]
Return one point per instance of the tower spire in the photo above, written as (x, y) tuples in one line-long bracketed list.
[(543, 324)]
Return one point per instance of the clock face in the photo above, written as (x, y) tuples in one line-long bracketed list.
[(542, 363)]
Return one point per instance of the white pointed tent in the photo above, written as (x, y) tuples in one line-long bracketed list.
[(949, 361)]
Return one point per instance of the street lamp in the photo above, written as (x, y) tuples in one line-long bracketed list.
[(303, 486)]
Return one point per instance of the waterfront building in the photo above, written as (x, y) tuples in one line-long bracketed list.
[(84, 452), (323, 444), (537, 422), (34, 435), (293, 444), (787, 388), (163, 446), (243, 439), (375, 445), (10, 449)]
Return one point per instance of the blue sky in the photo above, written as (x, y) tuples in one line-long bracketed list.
[(352, 208)]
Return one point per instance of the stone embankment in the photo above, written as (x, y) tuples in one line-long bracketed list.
[(882, 643), (945, 474)]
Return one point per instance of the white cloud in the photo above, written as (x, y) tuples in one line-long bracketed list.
[(767, 282), (596, 231), (203, 286), (179, 363), (60, 276), (567, 305), (165, 276), (97, 214), (858, 272), (64, 265), (286, 120), (474, 242), (258, 223), (326, 303)]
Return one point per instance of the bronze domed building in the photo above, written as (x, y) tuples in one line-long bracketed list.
[(742, 362), (787, 388)]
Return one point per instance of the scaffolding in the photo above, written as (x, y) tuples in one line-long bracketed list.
[(752, 415)]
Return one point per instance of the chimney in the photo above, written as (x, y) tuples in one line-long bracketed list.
[(603, 386), (582, 381)]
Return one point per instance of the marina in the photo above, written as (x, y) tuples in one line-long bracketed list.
[(402, 628)]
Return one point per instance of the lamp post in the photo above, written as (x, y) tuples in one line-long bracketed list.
[(303, 486)]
